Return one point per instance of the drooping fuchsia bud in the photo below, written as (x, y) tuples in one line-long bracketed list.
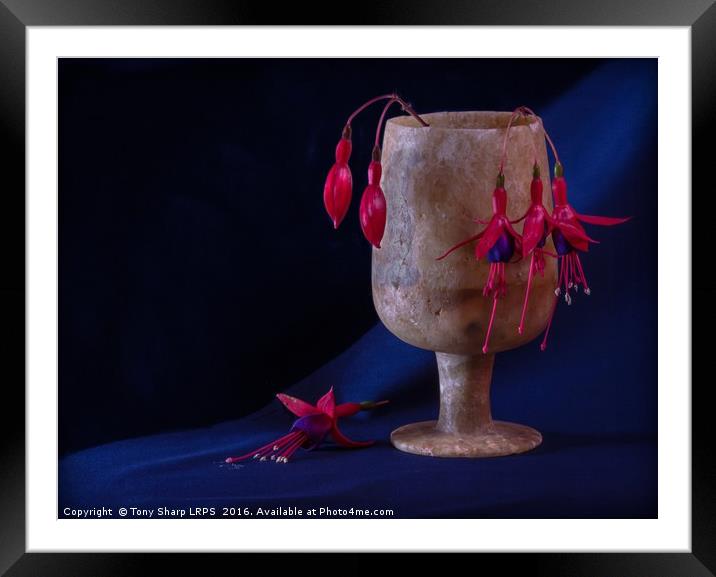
[(372, 204), (338, 188)]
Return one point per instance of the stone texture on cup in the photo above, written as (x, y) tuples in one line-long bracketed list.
[(436, 181)]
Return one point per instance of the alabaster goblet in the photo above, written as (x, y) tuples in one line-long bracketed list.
[(437, 179)]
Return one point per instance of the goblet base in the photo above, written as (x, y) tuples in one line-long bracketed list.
[(497, 439)]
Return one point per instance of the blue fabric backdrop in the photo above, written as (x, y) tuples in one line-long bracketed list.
[(593, 393)]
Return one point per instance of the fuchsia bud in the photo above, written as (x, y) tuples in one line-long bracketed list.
[(338, 189), (372, 204)]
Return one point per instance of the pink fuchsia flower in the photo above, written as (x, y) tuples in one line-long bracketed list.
[(569, 239), (313, 425), (537, 227), (372, 204), (338, 189), (499, 243)]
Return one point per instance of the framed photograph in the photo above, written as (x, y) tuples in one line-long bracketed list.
[(298, 287)]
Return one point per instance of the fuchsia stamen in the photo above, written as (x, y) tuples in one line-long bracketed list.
[(267, 449), (582, 277), (489, 326), (521, 328), (543, 345), (290, 449)]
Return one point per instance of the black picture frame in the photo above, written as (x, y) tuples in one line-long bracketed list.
[(17, 15)]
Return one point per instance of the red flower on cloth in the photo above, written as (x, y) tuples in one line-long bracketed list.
[(313, 425)]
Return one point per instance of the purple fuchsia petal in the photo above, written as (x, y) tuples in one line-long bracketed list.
[(503, 249), (297, 406), (561, 244), (517, 237), (316, 427)]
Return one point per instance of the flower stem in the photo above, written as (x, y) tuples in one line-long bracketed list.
[(409, 109), (546, 134), (516, 113), (393, 97), (382, 118)]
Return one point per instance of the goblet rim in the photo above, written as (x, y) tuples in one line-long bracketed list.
[(410, 123)]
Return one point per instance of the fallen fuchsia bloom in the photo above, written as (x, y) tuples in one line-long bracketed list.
[(569, 238), (538, 225), (372, 204), (338, 188), (311, 427), (499, 242)]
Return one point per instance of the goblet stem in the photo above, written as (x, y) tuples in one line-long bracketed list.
[(465, 393)]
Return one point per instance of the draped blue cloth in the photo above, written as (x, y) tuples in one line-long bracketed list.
[(586, 467), (592, 394)]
